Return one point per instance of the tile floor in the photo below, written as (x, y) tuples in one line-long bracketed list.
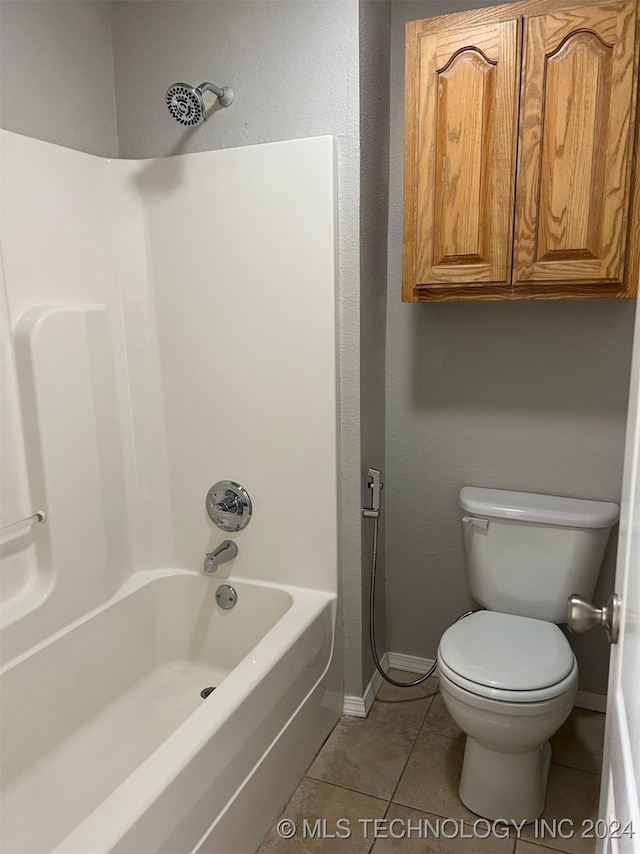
[(403, 762)]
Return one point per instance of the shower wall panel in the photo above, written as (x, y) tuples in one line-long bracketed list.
[(240, 284), (66, 364), (167, 324)]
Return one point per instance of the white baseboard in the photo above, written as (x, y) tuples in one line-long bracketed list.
[(359, 706), (593, 702), (354, 706), (400, 661)]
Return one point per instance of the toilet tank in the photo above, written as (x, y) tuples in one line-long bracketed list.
[(527, 553)]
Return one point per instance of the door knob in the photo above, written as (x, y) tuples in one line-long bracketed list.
[(582, 615)]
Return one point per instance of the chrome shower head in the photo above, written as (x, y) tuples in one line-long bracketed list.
[(186, 105)]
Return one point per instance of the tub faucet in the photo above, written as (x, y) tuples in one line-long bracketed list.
[(224, 552)]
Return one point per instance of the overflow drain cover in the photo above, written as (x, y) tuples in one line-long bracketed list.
[(206, 691)]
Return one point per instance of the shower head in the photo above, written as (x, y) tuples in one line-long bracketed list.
[(186, 105)]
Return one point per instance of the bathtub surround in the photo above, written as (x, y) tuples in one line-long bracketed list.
[(63, 308), (236, 404), (187, 394), (153, 331)]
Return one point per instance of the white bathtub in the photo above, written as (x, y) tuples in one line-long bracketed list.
[(107, 744)]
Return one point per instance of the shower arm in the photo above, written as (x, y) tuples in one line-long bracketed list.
[(224, 94), (211, 87)]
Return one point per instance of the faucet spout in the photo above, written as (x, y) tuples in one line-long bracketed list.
[(224, 552)]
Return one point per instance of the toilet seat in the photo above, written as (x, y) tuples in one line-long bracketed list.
[(506, 657)]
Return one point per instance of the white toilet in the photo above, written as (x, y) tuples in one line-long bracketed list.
[(508, 675)]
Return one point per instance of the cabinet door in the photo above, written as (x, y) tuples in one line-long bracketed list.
[(460, 137), (573, 185)]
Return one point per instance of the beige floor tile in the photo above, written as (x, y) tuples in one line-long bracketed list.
[(409, 834), (407, 706), (430, 780), (439, 720), (315, 801), (365, 755), (578, 743), (571, 795)]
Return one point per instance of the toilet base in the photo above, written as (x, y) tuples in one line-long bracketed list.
[(510, 786)]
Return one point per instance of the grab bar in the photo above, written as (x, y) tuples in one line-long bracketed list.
[(39, 516)]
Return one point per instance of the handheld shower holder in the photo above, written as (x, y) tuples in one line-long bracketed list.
[(375, 485)]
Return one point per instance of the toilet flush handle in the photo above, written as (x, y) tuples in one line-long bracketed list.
[(473, 520), (582, 615)]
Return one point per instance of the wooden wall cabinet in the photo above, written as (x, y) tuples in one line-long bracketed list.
[(520, 147)]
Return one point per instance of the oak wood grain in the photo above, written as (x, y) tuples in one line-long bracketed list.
[(573, 183), (582, 170), (460, 136)]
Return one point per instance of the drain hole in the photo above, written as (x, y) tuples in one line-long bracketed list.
[(206, 691)]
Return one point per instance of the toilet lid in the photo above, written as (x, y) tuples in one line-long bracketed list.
[(507, 652)]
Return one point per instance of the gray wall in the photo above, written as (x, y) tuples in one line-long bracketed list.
[(375, 34), (56, 68), (528, 396), (294, 69), (292, 66)]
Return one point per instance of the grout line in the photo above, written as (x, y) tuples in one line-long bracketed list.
[(426, 714), (438, 814), (597, 774), (346, 788), (404, 767), (430, 812), (386, 813), (465, 820), (575, 767)]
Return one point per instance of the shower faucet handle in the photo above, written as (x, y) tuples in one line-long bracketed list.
[(228, 505)]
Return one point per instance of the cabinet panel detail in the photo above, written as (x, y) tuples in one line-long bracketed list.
[(573, 149), (460, 157), (466, 88), (575, 146)]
